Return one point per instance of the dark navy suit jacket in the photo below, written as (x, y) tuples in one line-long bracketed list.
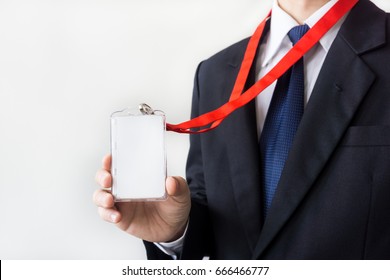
[(333, 198)]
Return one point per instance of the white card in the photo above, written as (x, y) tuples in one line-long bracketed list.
[(138, 156)]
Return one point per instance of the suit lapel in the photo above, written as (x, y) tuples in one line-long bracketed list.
[(342, 84), (243, 154), (244, 157)]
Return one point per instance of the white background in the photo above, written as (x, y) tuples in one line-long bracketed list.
[(65, 66)]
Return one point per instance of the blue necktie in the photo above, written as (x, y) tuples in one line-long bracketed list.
[(283, 117)]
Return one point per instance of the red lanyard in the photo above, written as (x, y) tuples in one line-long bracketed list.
[(237, 100)]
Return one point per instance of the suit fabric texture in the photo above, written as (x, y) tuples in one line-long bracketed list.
[(333, 197)]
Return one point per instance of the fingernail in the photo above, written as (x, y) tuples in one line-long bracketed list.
[(113, 218)]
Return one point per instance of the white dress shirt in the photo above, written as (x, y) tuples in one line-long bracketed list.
[(275, 45)]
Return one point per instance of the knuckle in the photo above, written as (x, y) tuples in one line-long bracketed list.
[(95, 197), (103, 213), (105, 179), (102, 199)]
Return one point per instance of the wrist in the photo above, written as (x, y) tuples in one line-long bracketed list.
[(180, 233)]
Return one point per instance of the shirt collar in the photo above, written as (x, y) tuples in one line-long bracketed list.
[(281, 24)]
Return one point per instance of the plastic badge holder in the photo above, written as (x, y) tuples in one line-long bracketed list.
[(138, 154)]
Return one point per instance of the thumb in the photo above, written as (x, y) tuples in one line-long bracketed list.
[(177, 187)]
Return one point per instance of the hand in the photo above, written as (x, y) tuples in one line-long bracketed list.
[(154, 221)]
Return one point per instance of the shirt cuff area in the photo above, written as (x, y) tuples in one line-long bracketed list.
[(173, 248)]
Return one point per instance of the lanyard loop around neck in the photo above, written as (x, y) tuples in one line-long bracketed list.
[(239, 98)]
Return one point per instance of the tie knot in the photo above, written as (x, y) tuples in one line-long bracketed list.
[(297, 32)]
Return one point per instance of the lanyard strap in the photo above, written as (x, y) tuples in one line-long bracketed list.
[(237, 100)]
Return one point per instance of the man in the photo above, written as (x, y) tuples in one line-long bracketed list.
[(332, 197)]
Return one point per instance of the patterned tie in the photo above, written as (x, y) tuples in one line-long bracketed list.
[(284, 114)]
